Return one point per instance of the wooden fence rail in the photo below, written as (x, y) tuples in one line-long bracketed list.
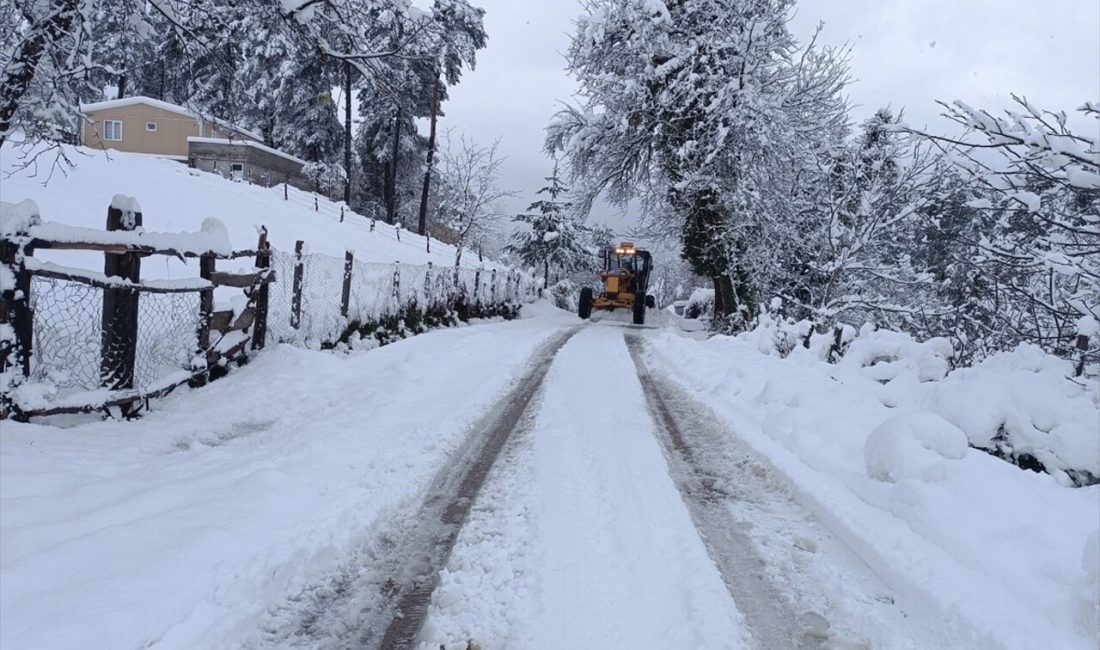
[(122, 289)]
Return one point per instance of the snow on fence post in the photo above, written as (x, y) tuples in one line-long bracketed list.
[(428, 286), (296, 297), (206, 312), (263, 292), (345, 292), (397, 284), (120, 304), (16, 317), (1082, 351)]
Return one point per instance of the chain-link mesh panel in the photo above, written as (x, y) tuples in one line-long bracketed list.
[(322, 286), (68, 319), (280, 298), (168, 339), (67, 337), (373, 291)]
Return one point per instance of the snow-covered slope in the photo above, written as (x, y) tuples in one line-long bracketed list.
[(175, 198)]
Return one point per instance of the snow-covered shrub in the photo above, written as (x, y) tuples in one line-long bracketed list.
[(1022, 407), (912, 446), (564, 295), (700, 304), (882, 355)]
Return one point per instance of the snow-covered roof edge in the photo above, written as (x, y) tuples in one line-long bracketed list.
[(247, 143), (166, 106)]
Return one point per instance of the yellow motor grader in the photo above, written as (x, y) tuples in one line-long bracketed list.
[(625, 278)]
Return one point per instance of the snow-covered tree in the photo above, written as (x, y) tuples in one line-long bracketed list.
[(468, 194), (553, 239), (1033, 238), (699, 110)]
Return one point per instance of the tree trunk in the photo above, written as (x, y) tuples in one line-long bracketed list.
[(546, 275), (390, 192), (19, 73), (423, 224), (347, 132), (121, 87)]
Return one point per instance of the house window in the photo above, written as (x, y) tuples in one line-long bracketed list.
[(112, 130), (236, 167), (150, 126)]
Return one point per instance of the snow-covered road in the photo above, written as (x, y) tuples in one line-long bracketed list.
[(510, 485), (583, 540)]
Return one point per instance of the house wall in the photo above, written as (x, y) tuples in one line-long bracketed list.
[(170, 138), (258, 166)]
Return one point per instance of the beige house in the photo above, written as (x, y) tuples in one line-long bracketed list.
[(146, 125)]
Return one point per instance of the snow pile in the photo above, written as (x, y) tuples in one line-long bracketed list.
[(1020, 406), (877, 446), (912, 446)]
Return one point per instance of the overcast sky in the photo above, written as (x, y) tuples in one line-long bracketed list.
[(905, 53)]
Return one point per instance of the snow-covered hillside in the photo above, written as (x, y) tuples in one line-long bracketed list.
[(175, 198)]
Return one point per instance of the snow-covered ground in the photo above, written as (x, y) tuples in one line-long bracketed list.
[(180, 529), (175, 198), (879, 453), (854, 498)]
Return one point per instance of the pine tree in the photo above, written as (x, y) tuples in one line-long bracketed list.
[(553, 239)]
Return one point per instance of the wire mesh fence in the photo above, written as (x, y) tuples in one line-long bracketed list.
[(68, 315), (68, 334), (67, 337), (377, 290)]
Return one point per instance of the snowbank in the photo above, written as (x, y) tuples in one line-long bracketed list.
[(877, 446)]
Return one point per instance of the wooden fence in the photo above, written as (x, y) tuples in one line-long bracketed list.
[(221, 336)]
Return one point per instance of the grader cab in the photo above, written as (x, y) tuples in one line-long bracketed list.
[(625, 278)]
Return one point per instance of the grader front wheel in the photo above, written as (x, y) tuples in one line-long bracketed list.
[(639, 308), (584, 305)]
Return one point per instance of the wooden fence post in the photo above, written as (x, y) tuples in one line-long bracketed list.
[(286, 197), (120, 306), (397, 285), (263, 262), (493, 288), (341, 214), (477, 284), (428, 242), (1082, 350), (15, 310), (345, 294), (296, 298), (207, 265), (428, 286), (316, 205)]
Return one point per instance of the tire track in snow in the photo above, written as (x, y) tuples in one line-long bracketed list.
[(683, 429), (798, 584), (381, 597)]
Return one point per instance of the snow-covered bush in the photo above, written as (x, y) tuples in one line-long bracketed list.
[(700, 304), (912, 446), (1022, 407), (564, 295)]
